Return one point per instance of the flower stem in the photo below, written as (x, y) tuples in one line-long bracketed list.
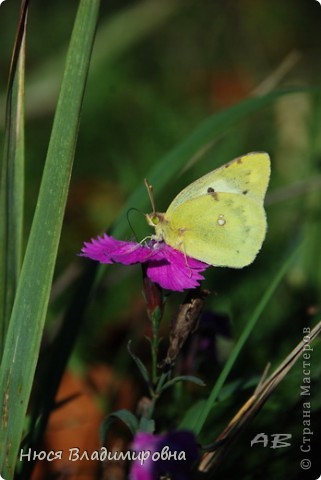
[(153, 295), (155, 318)]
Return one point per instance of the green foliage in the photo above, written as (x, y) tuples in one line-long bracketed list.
[(31, 300), (12, 186), (175, 89)]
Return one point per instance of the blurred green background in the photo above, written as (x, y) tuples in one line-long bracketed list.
[(159, 69)]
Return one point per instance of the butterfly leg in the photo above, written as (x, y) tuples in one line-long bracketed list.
[(148, 237), (181, 247)]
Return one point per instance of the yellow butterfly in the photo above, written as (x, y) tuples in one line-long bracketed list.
[(219, 219)]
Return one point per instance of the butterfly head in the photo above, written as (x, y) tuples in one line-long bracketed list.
[(154, 219)]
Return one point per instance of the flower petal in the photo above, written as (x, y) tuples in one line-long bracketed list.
[(143, 442), (178, 467), (167, 267), (107, 249), (175, 271)]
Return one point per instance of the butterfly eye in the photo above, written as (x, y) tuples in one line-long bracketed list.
[(155, 220)]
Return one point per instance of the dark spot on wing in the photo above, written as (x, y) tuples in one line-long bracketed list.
[(210, 190), (245, 192)]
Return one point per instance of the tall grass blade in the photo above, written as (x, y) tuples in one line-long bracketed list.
[(31, 302), (12, 181)]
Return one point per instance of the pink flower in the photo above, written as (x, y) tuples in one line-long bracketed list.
[(181, 444), (168, 267)]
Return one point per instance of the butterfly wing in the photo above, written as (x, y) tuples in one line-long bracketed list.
[(222, 229), (247, 175)]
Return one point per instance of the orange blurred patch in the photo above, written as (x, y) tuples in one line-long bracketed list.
[(77, 422), (223, 87)]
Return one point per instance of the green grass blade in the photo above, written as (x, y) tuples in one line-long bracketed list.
[(12, 183), (31, 302), (198, 421)]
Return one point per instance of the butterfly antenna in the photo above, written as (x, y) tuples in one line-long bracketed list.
[(150, 194), (129, 222)]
